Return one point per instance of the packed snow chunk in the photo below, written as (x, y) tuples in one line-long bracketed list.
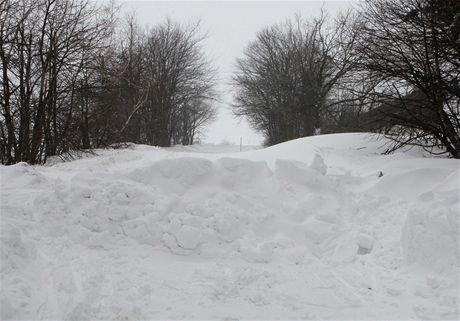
[(395, 289), (142, 232), (299, 173), (173, 174), (235, 172), (228, 226), (420, 180), (318, 232), (301, 211), (345, 250), (323, 208), (197, 209), (365, 243), (188, 237), (318, 164), (430, 237)]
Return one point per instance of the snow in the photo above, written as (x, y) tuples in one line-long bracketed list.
[(365, 244), (302, 230)]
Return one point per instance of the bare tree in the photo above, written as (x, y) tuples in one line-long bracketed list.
[(192, 119), (410, 50), (158, 87), (177, 73), (285, 83), (44, 49)]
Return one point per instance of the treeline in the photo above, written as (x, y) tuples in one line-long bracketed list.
[(73, 78), (76, 77), (390, 66)]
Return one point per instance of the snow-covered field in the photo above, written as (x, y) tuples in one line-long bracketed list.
[(308, 229)]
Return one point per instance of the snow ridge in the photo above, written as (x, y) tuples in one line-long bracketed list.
[(306, 229)]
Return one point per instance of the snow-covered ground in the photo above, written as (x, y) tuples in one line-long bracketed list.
[(308, 229)]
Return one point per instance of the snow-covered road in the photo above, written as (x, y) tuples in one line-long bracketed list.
[(308, 229)]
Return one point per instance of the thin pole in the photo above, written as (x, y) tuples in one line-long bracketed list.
[(241, 143)]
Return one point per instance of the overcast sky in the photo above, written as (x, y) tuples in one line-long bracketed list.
[(230, 26)]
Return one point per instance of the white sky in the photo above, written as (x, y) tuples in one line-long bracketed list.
[(230, 26)]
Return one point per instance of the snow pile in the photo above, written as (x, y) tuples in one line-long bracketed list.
[(321, 227), (431, 233)]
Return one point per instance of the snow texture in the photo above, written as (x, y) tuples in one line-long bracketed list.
[(307, 229)]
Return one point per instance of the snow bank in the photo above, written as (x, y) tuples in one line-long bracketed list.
[(303, 229), (431, 233)]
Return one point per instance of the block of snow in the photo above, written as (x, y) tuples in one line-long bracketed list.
[(365, 243), (189, 237), (430, 237), (235, 172), (318, 164), (143, 233)]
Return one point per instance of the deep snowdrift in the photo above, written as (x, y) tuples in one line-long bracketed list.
[(306, 229)]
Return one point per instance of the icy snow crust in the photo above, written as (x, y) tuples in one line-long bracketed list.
[(306, 229)]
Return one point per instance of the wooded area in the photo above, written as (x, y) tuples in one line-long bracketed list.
[(73, 77), (391, 67), (77, 77)]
